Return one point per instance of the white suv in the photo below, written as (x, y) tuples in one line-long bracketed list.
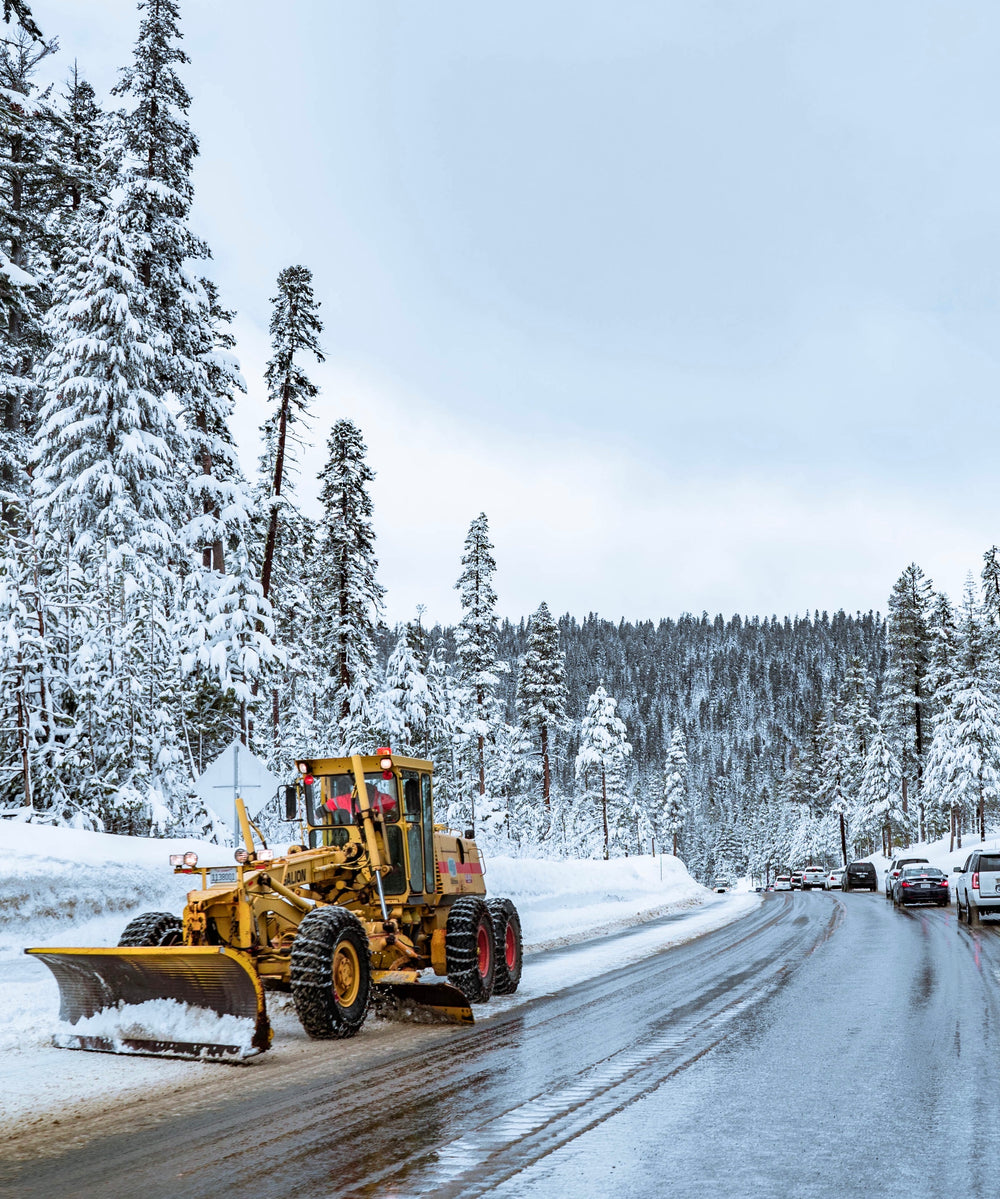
[(813, 876), (977, 888)]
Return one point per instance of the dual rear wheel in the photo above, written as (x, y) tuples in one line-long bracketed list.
[(483, 949)]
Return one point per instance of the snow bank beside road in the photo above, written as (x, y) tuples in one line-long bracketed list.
[(56, 882), (565, 901)]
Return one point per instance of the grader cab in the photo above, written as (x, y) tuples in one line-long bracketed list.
[(375, 901)]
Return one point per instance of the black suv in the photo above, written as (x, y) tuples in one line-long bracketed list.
[(860, 876)]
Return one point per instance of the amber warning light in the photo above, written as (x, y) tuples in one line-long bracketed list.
[(385, 761)]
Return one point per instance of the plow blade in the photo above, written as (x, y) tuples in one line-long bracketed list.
[(104, 988), (411, 994)]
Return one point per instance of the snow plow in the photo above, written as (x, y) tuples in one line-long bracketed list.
[(373, 899)]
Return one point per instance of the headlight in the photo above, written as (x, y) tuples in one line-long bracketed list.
[(190, 858), (264, 855), (241, 856), (176, 859)]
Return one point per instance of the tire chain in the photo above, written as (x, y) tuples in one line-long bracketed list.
[(150, 929), (311, 981), (461, 948), (502, 911)]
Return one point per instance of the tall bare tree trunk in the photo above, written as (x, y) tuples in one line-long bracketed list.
[(546, 780), (604, 811), (279, 471)]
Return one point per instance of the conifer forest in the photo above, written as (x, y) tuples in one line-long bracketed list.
[(159, 598)]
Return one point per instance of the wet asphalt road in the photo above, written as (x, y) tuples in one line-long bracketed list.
[(824, 1045)]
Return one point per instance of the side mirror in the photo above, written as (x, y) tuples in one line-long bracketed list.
[(958, 869), (291, 803)]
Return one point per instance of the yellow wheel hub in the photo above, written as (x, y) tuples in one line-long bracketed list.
[(346, 974)]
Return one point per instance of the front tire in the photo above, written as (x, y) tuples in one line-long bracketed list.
[(507, 945), (152, 929), (331, 973), (470, 950)]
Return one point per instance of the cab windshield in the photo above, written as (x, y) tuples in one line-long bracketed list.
[(382, 796), (337, 801)]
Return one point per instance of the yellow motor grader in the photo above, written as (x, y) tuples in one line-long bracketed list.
[(375, 895)]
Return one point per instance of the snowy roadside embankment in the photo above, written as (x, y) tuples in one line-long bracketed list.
[(58, 882), (560, 902)]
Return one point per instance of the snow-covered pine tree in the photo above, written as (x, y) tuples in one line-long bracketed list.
[(476, 639), (295, 333), (104, 465), (224, 622), (405, 702), (226, 626), (104, 479), (878, 817), (349, 598), (966, 747), (905, 701), (81, 129), (943, 651), (444, 732), (27, 199), (541, 689), (674, 807), (601, 762), (859, 723), (157, 149)]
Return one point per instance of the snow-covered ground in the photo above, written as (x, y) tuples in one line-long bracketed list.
[(70, 887)]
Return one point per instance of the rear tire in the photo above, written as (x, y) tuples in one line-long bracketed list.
[(331, 973), (470, 949), (973, 916), (152, 929), (507, 946)]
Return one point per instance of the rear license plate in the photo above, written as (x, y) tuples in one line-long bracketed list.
[(224, 874)]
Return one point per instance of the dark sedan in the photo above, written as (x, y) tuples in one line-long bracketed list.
[(921, 884)]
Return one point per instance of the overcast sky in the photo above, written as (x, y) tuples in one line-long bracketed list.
[(696, 299)]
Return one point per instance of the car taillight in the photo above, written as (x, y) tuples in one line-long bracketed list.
[(944, 882), (975, 880), (905, 883)]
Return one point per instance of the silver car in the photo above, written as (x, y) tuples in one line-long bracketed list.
[(834, 880)]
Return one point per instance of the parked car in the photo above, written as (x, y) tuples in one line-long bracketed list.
[(813, 878), (895, 866), (859, 876), (796, 880), (833, 879), (977, 887), (783, 883), (921, 884)]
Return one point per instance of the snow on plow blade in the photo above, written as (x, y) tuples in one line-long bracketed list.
[(101, 990), (412, 994)]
